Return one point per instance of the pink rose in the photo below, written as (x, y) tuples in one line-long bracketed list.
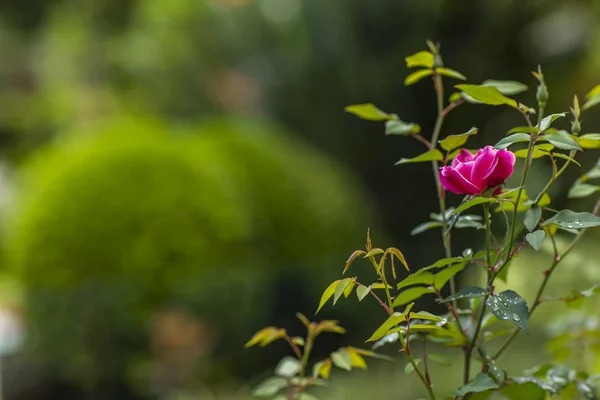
[(475, 173)]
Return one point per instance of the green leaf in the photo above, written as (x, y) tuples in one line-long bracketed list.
[(509, 306), (562, 140), (565, 157), (452, 142), (541, 150), (398, 127), (508, 88), (410, 368), (589, 140), (524, 389), (439, 358), (535, 239), (472, 203), (591, 102), (548, 120), (451, 73), (417, 76), (342, 359), (469, 221), (327, 294), (580, 190), (369, 112), (411, 294), (573, 220), (418, 278), (466, 292), (524, 129), (487, 95), (424, 227), (391, 322), (420, 59), (288, 367), (514, 138), (532, 218), (431, 155), (445, 275), (362, 292), (270, 387), (340, 288), (443, 262), (480, 383), (425, 315)]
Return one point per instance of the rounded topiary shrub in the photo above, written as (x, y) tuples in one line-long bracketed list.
[(228, 220)]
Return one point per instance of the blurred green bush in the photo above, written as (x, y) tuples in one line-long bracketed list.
[(118, 222)]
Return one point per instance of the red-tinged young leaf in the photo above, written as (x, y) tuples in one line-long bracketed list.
[(398, 254), (420, 59), (417, 76), (353, 256), (303, 319), (374, 252)]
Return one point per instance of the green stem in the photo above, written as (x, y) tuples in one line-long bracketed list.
[(306, 354), (488, 233)]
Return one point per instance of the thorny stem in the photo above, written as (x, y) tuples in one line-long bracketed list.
[(542, 287), (442, 112), (294, 346), (488, 231)]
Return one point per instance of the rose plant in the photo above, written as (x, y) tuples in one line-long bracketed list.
[(475, 314)]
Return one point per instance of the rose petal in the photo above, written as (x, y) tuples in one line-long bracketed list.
[(504, 169), (453, 181), (462, 157), (485, 163)]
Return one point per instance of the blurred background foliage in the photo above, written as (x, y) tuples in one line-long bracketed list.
[(176, 174)]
